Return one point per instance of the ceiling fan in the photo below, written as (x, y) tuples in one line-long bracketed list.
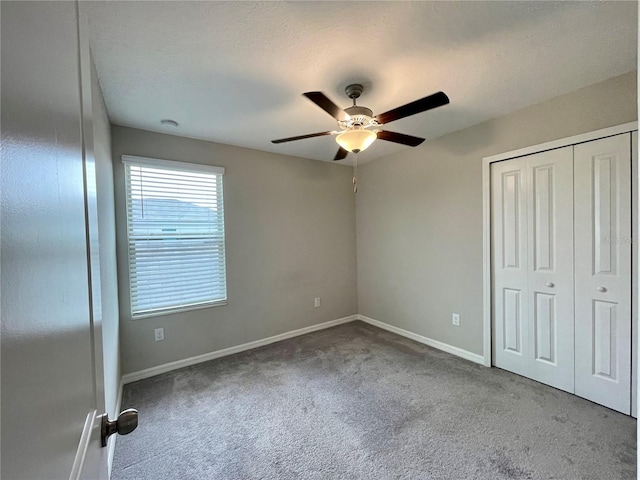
[(358, 126)]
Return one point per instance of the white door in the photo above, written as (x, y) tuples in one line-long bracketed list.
[(634, 274), (51, 356), (509, 270), (532, 271), (603, 271)]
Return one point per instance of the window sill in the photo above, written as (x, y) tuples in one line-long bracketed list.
[(161, 313)]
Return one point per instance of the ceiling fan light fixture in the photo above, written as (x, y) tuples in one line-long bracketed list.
[(356, 140)]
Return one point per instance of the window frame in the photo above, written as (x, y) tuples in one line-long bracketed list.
[(132, 160)]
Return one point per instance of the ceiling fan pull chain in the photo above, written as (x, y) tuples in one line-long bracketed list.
[(355, 173)]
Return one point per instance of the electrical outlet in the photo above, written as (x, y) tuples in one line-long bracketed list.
[(159, 334), (455, 319), (317, 302)]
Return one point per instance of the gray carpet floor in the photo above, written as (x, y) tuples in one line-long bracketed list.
[(357, 402)]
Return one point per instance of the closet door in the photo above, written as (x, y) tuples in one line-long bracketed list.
[(509, 265), (603, 271), (532, 242), (550, 278)]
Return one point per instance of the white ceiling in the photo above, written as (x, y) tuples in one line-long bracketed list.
[(234, 72)]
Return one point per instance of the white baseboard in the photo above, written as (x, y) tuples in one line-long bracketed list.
[(445, 347), (167, 367)]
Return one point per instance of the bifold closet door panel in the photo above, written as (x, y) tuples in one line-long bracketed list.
[(532, 271), (509, 269), (550, 273), (603, 271)]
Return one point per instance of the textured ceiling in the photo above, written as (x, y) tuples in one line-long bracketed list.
[(233, 72)]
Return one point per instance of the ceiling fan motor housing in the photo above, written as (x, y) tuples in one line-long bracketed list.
[(361, 116), (358, 116)]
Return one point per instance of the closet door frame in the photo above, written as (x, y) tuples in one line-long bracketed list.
[(486, 218)]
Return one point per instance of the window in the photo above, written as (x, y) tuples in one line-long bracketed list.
[(175, 230)]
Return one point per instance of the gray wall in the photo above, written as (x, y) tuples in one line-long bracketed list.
[(107, 249), (419, 212), (290, 237)]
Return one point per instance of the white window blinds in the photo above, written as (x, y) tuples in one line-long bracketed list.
[(175, 227)]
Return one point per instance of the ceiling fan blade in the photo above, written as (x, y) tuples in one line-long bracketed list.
[(427, 103), (400, 138), (301, 137), (340, 154), (327, 105)]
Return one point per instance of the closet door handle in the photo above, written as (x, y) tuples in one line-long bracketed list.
[(550, 284), (601, 289)]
